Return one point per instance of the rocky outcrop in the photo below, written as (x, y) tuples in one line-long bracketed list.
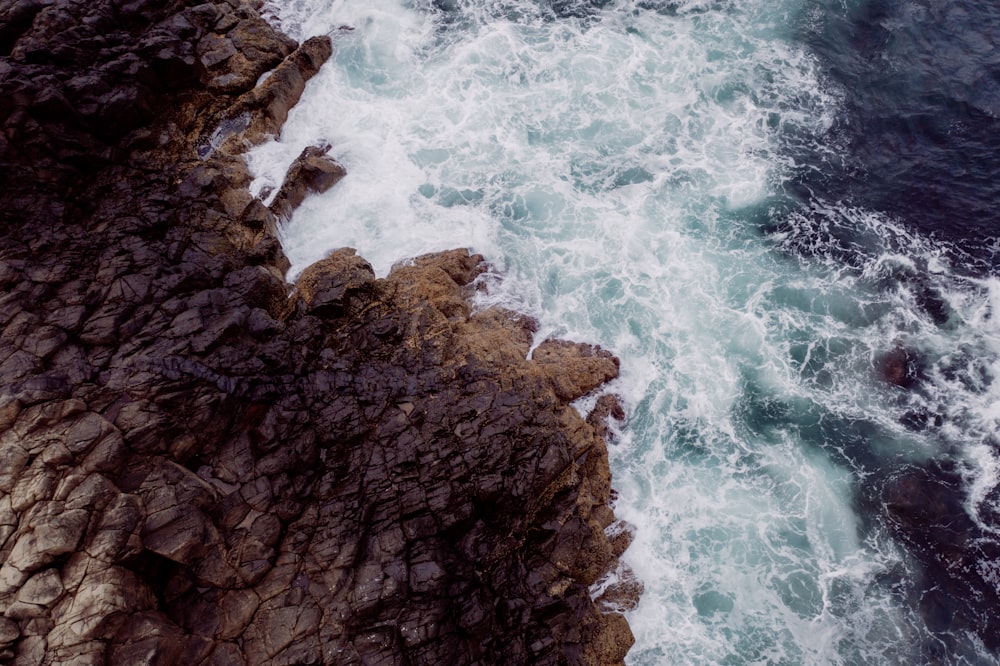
[(201, 465), (312, 172)]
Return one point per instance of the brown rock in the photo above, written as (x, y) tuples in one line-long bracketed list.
[(148, 638), (269, 103), (248, 49), (574, 369), (175, 526), (338, 284), (117, 535), (607, 407), (622, 595), (897, 366), (9, 409), (611, 642), (312, 172), (37, 595), (8, 631), (102, 594), (437, 280), (50, 532)]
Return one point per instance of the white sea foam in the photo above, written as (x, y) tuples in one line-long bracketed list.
[(611, 166)]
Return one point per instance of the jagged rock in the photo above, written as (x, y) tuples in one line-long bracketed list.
[(269, 103), (215, 50), (607, 407), (336, 283), (624, 593), (8, 631), (37, 594), (49, 532), (151, 637), (575, 369), (199, 464), (257, 48), (312, 172)]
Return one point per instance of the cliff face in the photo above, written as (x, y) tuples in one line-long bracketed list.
[(199, 464)]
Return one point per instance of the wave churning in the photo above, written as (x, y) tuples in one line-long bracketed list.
[(631, 167)]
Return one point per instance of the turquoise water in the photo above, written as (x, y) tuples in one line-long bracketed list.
[(630, 170)]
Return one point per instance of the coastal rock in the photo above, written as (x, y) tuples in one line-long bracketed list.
[(612, 641), (312, 172), (269, 103), (338, 284), (200, 463), (607, 408), (624, 594), (575, 369), (244, 48)]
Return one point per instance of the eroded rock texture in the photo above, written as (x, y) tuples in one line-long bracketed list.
[(200, 465)]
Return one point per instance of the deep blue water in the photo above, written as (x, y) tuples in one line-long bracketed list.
[(920, 125), (919, 142)]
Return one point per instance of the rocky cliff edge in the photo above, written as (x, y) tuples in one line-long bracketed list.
[(200, 464)]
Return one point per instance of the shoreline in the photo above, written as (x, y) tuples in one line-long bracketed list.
[(197, 467)]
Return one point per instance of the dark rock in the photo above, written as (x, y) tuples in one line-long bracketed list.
[(8, 631), (337, 285), (215, 50), (897, 366)]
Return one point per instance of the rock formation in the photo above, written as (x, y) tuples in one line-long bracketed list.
[(200, 464)]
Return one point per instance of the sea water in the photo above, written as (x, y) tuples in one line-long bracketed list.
[(693, 186)]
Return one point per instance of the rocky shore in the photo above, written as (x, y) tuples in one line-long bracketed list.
[(202, 464)]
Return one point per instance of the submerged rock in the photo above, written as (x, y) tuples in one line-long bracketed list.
[(897, 366), (925, 507), (201, 465)]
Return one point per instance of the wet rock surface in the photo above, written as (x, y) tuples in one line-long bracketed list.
[(312, 172), (201, 465), (898, 366)]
